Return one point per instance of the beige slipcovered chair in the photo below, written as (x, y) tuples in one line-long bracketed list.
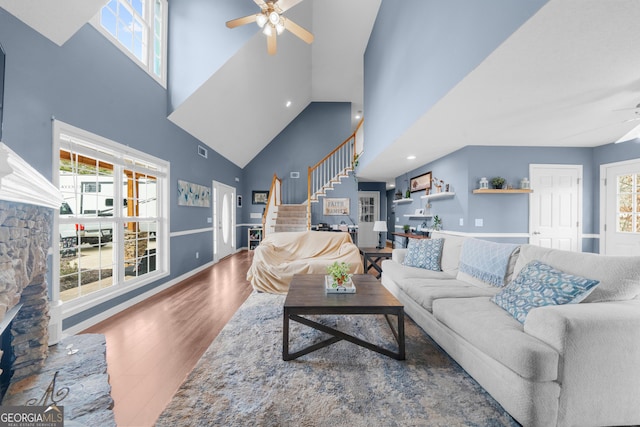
[(281, 255)]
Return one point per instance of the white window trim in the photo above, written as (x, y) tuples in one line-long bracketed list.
[(148, 67), (83, 303)]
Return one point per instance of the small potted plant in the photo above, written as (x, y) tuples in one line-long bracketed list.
[(437, 223), (339, 272), (406, 228), (497, 182)]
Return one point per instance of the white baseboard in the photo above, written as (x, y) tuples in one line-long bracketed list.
[(129, 303)]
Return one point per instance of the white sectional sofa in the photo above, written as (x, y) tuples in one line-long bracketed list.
[(566, 365)]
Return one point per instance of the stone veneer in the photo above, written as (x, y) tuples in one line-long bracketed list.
[(25, 232)]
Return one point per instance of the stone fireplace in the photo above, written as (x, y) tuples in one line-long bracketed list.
[(27, 205)]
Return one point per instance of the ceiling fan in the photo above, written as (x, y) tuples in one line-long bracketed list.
[(272, 22)]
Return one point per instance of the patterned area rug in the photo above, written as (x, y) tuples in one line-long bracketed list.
[(241, 380)]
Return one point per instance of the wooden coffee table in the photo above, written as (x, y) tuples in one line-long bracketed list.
[(307, 297)]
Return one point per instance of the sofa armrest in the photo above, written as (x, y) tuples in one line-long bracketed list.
[(398, 255), (599, 370)]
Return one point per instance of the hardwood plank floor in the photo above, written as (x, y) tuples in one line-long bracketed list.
[(152, 346)]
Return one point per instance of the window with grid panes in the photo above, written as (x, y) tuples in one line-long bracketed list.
[(111, 223)]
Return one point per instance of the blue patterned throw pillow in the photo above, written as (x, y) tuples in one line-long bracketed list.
[(539, 285), (424, 253)]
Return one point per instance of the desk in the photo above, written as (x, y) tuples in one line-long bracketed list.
[(408, 236), (371, 257)]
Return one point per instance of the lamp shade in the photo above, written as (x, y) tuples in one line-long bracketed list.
[(380, 226)]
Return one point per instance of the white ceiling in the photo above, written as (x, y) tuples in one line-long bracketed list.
[(241, 107), (570, 76), (557, 81), (57, 20)]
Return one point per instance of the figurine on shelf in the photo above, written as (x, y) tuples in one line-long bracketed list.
[(437, 183), (427, 191), (447, 188), (484, 183)]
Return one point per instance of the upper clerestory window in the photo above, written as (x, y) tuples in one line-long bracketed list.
[(138, 28)]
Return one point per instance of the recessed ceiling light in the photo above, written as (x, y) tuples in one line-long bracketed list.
[(288, 104), (411, 157)]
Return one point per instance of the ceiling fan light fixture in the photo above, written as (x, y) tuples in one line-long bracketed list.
[(274, 18), (261, 19), (267, 31), (279, 28)]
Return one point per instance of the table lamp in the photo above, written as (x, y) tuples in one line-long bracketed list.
[(380, 227)]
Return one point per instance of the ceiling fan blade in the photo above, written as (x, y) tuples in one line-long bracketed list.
[(271, 43), (284, 5), (261, 4), (298, 31), (241, 21)]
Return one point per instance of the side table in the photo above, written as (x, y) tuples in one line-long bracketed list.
[(371, 257)]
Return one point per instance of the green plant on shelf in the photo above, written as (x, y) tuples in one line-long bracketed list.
[(497, 182), (437, 223)]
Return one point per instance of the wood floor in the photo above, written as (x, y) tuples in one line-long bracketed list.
[(152, 346)]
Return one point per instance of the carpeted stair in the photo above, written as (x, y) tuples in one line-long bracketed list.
[(291, 218)]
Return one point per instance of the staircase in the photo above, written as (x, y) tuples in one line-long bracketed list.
[(291, 218), (321, 178)]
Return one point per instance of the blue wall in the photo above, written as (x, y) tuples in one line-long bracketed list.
[(91, 84), (500, 214), (317, 130), (420, 49), (200, 43)]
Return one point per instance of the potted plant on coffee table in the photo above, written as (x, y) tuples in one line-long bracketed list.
[(339, 275)]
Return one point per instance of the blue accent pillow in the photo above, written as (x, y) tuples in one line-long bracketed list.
[(539, 285), (424, 253)]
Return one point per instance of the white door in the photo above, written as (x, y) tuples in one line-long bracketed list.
[(620, 220), (224, 221), (368, 214), (555, 213)]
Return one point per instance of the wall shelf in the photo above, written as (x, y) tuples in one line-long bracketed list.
[(403, 201), (494, 191), (418, 216), (443, 195)]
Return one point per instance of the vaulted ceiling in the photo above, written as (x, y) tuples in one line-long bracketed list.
[(567, 77)]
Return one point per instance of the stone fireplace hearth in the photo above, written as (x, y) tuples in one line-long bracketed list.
[(28, 203)]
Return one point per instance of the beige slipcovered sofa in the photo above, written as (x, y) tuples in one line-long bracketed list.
[(281, 255), (567, 365)]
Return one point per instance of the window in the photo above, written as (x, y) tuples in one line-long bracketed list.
[(113, 222), (138, 28), (628, 203)]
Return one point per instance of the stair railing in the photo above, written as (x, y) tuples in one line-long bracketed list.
[(274, 200), (338, 163)]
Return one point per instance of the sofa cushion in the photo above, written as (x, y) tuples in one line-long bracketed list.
[(619, 276), (486, 263), (450, 252), (425, 291), (424, 253), (540, 285), (398, 272), (493, 331)]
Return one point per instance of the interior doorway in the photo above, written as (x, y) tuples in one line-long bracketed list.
[(555, 214), (224, 220), (620, 208), (368, 214)]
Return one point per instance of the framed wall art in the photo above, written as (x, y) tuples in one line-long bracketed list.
[(259, 197), (335, 206), (421, 182), (190, 194)]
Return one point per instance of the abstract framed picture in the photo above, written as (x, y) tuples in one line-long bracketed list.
[(190, 194), (421, 182)]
